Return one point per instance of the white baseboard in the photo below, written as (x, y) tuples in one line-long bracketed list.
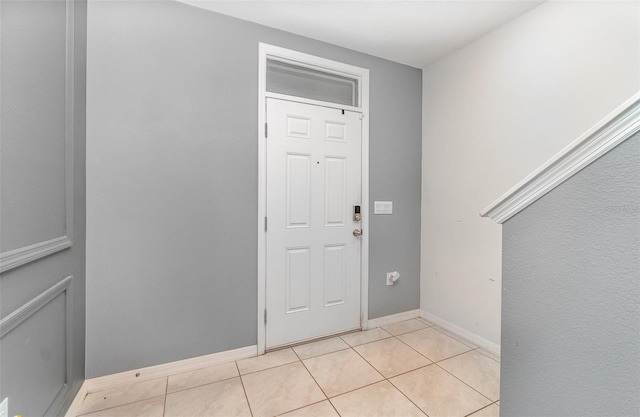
[(459, 331), (166, 369), (74, 408), (393, 318)]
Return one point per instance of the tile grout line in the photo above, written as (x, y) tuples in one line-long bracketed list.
[(202, 385), (414, 349), (434, 363), (389, 381), (244, 390), (120, 405), (407, 397), (166, 391), (480, 409), (372, 341), (468, 386), (326, 397)]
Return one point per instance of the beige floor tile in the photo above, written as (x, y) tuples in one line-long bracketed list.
[(405, 327), (378, 400), (438, 393), (341, 371), (433, 344), (491, 411), (455, 336), (321, 347), (391, 357), (124, 394), (360, 338), (153, 407), (278, 390), (476, 370), (489, 354), (202, 376), (322, 409), (270, 360), (220, 399)]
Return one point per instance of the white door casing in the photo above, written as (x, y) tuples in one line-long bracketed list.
[(313, 258), (266, 52)]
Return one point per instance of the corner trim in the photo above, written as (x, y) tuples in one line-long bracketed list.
[(463, 333), (167, 369), (74, 408), (392, 318), (614, 129)]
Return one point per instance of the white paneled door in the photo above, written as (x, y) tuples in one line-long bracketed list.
[(313, 255)]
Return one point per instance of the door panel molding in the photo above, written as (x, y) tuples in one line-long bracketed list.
[(362, 74), (29, 253)]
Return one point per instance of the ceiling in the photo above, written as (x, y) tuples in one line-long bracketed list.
[(416, 33)]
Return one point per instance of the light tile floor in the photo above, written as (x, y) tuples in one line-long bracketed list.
[(412, 368)]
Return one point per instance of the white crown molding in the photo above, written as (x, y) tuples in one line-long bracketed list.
[(614, 129)]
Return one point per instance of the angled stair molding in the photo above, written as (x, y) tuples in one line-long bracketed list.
[(614, 129)]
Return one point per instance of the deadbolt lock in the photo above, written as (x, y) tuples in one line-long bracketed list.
[(356, 214)]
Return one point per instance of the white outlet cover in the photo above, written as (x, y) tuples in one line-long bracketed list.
[(383, 207)]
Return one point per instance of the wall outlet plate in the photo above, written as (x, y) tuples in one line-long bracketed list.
[(383, 207), (4, 408)]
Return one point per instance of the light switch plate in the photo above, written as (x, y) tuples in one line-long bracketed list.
[(382, 207)]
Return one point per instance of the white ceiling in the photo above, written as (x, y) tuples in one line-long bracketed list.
[(415, 33)]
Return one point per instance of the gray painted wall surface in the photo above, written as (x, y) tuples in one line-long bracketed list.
[(33, 368), (571, 296), (172, 178)]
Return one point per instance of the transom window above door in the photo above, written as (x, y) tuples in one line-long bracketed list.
[(292, 79)]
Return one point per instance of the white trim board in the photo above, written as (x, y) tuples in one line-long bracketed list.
[(270, 51), (167, 369), (392, 319), (463, 333), (614, 129)]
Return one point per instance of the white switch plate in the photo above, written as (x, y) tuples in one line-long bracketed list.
[(382, 207), (4, 408)]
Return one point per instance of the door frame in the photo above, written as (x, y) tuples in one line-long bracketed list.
[(266, 51)]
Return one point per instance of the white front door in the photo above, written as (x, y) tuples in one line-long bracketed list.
[(313, 258)]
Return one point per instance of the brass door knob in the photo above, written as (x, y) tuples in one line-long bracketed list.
[(357, 232)]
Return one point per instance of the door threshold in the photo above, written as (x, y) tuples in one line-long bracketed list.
[(317, 339)]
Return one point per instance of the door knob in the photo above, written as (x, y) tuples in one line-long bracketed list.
[(357, 232)]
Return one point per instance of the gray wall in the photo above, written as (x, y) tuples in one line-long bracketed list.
[(172, 178), (42, 354), (571, 296)]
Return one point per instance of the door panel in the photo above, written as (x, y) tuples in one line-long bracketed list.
[(313, 258)]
